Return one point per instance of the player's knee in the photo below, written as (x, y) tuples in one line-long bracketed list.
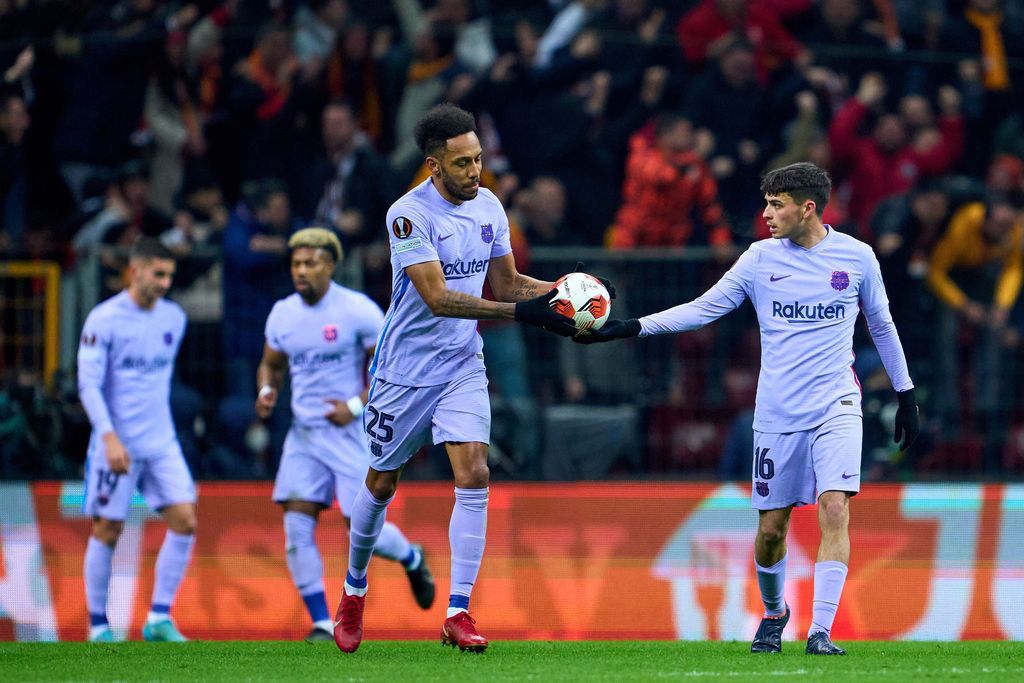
[(475, 476), (383, 489), (771, 535), (833, 512), (107, 530), (183, 523)]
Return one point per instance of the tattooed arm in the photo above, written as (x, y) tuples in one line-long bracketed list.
[(428, 278), (508, 284)]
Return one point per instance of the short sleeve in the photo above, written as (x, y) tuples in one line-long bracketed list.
[(371, 320), (272, 330), (411, 235), (502, 235)]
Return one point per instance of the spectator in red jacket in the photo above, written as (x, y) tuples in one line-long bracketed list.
[(666, 182), (703, 29), (886, 162)]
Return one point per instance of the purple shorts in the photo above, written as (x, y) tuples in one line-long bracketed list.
[(399, 420), (796, 468)]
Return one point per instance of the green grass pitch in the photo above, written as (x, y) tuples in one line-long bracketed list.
[(504, 661)]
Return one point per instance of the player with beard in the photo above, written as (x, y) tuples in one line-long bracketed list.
[(322, 335), (447, 235)]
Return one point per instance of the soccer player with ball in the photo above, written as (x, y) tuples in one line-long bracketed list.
[(447, 234), (807, 283)]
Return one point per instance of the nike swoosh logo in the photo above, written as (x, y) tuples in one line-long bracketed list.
[(442, 238), (781, 277), (849, 476)]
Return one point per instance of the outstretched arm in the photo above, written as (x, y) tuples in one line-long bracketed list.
[(725, 296)]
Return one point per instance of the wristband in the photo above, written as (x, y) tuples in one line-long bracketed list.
[(264, 390), (355, 406)]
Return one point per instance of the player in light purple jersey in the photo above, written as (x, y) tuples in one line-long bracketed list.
[(322, 335), (125, 362), (808, 283), (447, 235)]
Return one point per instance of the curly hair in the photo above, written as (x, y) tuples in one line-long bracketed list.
[(440, 124), (801, 181), (317, 238)]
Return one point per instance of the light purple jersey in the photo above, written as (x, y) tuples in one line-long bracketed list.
[(326, 345), (125, 363), (417, 348), (807, 302)]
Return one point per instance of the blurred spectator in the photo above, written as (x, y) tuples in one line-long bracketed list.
[(269, 97), (353, 74), (706, 28), (255, 276), (728, 101), (175, 121), (108, 87), (982, 248), (666, 182), (14, 177), (432, 71), (842, 43), (317, 26), (887, 162), (473, 46), (126, 214), (348, 187), (541, 210), (563, 29), (195, 239)]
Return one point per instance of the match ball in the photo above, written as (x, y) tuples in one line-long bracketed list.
[(583, 298)]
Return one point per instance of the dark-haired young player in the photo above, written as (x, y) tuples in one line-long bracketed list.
[(807, 283)]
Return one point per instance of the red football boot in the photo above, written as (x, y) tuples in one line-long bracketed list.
[(348, 622), (461, 630)]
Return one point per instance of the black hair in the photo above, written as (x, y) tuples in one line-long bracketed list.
[(258, 193), (149, 248), (801, 181), (440, 124)]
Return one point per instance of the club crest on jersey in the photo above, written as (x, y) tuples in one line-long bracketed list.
[(402, 227), (487, 233), (840, 280), (88, 339), (762, 488), (168, 338), (330, 333)]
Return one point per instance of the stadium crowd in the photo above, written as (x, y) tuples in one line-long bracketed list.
[(224, 128)]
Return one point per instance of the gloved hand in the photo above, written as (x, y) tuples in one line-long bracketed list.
[(612, 329), (908, 420), (607, 283), (538, 312)]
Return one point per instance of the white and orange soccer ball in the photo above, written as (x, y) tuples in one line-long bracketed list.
[(583, 298)]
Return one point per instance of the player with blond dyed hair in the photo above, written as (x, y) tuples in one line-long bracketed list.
[(322, 335)]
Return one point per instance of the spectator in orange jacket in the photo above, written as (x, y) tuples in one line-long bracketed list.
[(983, 247), (666, 182)]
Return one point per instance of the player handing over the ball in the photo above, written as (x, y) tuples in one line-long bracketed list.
[(447, 234), (807, 283)]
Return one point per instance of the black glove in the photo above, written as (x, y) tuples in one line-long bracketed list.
[(538, 312), (607, 283), (908, 421), (612, 329)]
